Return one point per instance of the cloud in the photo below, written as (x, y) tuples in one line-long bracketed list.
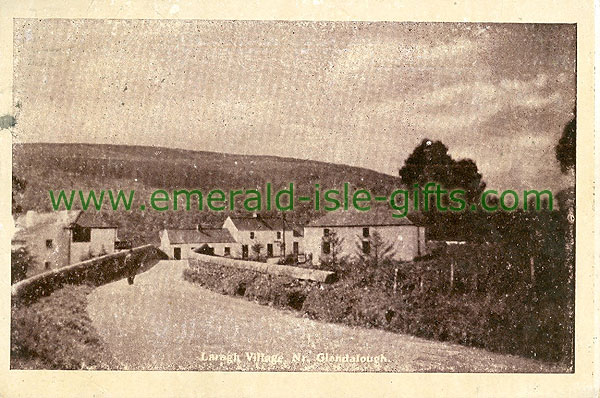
[(463, 105)]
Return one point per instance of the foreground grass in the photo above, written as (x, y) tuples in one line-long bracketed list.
[(56, 333)]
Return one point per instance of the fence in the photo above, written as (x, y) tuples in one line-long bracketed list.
[(272, 269), (96, 271)]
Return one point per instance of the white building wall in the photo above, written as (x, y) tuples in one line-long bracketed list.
[(46, 258), (263, 237), (187, 249), (408, 240), (102, 240)]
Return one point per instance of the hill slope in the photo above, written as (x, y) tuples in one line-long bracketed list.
[(91, 166)]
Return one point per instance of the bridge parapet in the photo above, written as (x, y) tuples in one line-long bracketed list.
[(96, 271)]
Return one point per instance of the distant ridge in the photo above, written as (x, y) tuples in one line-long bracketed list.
[(52, 166), (168, 167)]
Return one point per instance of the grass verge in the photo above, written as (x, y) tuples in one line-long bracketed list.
[(57, 333)]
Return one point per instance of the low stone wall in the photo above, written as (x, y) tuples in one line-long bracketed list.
[(272, 269), (96, 271)]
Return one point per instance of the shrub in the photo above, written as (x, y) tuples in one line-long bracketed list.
[(265, 289), (20, 262)]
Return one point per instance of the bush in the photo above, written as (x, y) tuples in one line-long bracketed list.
[(57, 333), (265, 289), (20, 262)]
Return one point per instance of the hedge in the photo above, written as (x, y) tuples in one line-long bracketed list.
[(492, 303)]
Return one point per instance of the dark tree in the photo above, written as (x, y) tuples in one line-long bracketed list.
[(20, 261), (331, 258), (18, 187), (379, 249), (565, 149), (430, 162)]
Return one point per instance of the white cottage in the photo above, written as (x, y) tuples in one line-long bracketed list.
[(181, 244), (273, 233), (356, 228), (60, 238)]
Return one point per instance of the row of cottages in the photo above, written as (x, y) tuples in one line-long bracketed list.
[(355, 230), (235, 239), (277, 238), (60, 238)]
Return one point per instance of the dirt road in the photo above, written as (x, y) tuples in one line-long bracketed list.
[(165, 323)]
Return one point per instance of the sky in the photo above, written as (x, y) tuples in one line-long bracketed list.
[(362, 94)]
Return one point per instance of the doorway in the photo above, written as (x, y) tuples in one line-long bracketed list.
[(177, 253)]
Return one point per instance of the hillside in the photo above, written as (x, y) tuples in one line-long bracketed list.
[(91, 166)]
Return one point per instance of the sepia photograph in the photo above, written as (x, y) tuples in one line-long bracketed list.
[(308, 198), (293, 196)]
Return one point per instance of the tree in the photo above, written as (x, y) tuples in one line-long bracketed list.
[(257, 248), (20, 261), (332, 248), (378, 249), (566, 156), (18, 187), (565, 149), (430, 162)]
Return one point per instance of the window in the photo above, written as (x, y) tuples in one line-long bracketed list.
[(326, 248), (366, 232), (366, 247), (326, 232), (251, 235), (49, 244), (81, 234), (47, 265), (227, 251), (278, 235)]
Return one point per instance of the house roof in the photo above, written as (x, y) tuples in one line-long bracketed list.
[(28, 224), (376, 216), (211, 235), (259, 223), (92, 220)]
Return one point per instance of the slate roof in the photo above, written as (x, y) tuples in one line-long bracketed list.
[(377, 216), (92, 220), (28, 224), (212, 235), (259, 223)]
